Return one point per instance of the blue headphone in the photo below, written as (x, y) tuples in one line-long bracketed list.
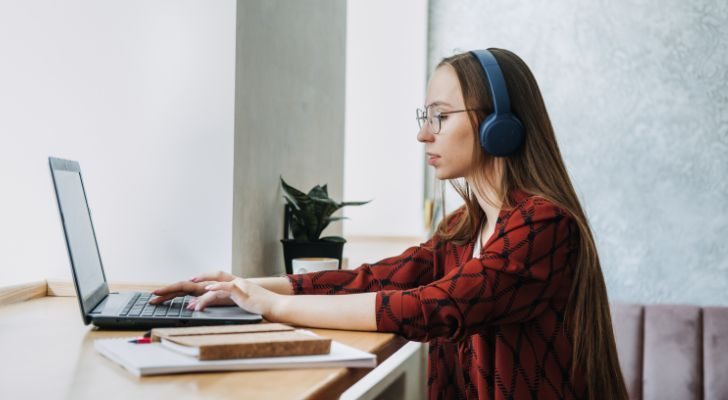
[(501, 133)]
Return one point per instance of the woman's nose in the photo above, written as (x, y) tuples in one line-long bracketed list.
[(424, 135)]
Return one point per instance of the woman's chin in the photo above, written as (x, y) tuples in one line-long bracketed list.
[(441, 175)]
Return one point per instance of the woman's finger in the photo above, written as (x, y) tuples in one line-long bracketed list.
[(169, 296), (227, 286), (237, 291), (216, 302), (210, 298), (186, 287), (234, 292), (176, 290), (218, 276)]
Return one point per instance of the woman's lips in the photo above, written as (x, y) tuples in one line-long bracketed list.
[(432, 159)]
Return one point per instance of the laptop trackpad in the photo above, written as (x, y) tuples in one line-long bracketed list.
[(218, 312), (113, 303)]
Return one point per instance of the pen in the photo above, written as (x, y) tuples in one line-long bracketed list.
[(145, 339)]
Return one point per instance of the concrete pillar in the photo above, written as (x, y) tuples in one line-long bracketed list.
[(289, 119)]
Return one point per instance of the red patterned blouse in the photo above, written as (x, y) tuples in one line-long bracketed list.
[(495, 323)]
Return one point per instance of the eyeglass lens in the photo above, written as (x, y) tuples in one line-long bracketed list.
[(432, 119)]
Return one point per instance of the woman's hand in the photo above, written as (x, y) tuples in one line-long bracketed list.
[(245, 294), (194, 287), (350, 311)]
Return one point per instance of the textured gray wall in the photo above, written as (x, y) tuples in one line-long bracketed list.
[(638, 95), (289, 119)]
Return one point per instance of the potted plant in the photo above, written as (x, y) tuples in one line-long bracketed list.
[(308, 215)]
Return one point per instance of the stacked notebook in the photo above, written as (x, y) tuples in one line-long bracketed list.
[(241, 341), (231, 347)]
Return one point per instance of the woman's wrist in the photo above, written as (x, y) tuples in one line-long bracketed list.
[(277, 307), (280, 285)]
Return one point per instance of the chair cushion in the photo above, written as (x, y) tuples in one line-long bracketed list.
[(672, 353), (627, 320), (715, 352)]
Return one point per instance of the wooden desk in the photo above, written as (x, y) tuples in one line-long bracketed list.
[(47, 353)]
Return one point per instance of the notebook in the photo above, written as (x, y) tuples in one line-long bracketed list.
[(241, 341), (155, 359)]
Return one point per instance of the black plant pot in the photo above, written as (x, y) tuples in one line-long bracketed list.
[(296, 249)]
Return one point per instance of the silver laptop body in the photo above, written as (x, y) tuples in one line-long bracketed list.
[(126, 310)]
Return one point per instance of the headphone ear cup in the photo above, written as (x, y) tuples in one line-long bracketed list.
[(501, 136), (484, 129)]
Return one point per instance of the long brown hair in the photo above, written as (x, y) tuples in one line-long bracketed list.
[(537, 169)]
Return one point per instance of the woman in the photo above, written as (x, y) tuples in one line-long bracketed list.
[(509, 290)]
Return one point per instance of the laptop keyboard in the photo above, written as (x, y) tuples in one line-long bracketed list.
[(139, 306)]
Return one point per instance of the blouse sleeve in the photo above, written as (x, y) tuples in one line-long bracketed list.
[(513, 280), (412, 268)]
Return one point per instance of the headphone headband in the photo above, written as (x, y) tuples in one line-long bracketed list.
[(501, 133), (498, 90)]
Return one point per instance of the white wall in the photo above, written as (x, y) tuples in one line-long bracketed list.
[(385, 83), (141, 94)]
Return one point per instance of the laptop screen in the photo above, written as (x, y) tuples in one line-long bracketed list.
[(80, 237)]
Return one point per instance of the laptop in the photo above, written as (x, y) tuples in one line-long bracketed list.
[(126, 310)]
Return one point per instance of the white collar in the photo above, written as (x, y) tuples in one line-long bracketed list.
[(478, 245)]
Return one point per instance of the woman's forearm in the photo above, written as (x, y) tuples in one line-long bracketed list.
[(350, 312), (280, 285)]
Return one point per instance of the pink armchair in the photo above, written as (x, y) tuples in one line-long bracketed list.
[(672, 351)]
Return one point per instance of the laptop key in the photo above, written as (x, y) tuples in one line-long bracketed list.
[(175, 308), (136, 309), (149, 310), (161, 310), (129, 305), (185, 311)]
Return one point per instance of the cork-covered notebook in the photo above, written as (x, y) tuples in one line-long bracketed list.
[(241, 341)]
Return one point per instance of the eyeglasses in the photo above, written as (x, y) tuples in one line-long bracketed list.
[(434, 119)]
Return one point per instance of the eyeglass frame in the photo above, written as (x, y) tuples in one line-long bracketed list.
[(422, 115)]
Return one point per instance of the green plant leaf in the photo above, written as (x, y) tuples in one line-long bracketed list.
[(311, 213), (293, 196), (354, 203), (298, 228), (328, 207), (323, 200), (318, 191)]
